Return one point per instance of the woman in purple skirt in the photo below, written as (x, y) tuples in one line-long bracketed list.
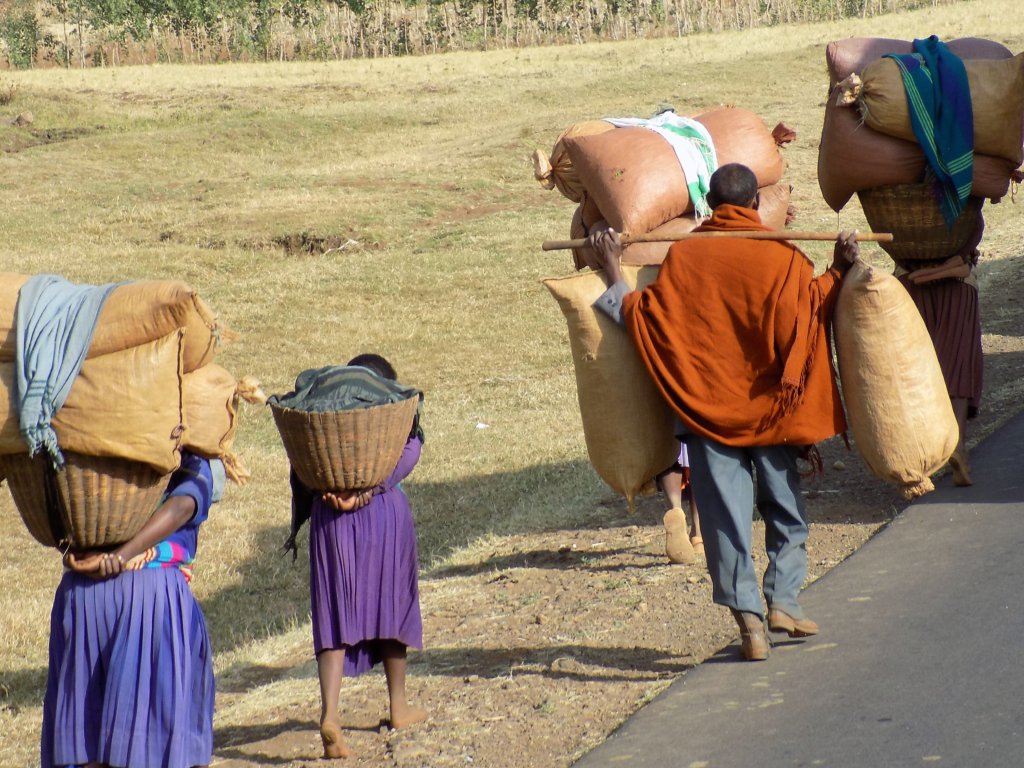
[(364, 588), (946, 294), (130, 681)]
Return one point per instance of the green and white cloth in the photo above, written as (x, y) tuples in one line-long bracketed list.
[(693, 147)]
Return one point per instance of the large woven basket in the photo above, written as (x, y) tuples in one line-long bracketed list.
[(344, 450), (911, 213), (101, 501)]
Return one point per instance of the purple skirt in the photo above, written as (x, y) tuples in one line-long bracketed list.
[(363, 579), (951, 314), (130, 680)]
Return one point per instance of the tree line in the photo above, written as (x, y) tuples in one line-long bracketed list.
[(83, 33)]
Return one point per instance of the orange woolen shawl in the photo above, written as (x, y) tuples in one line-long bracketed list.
[(735, 334)]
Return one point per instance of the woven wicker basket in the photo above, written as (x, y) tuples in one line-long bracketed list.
[(343, 450), (102, 501), (912, 214)]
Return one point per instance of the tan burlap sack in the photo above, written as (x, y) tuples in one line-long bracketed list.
[(205, 334), (896, 401), (135, 313), (997, 100), (557, 171), (853, 157), (846, 57), (127, 405), (210, 404), (210, 398), (626, 424), (10, 284)]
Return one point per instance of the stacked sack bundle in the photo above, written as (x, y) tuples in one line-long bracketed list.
[(896, 398), (147, 389), (865, 138), (631, 178)]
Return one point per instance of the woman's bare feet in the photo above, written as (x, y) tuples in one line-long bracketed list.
[(334, 743), (407, 715)]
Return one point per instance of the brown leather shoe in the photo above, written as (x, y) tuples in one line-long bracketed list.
[(780, 621), (753, 640)]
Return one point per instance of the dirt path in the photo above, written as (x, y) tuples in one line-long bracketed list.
[(540, 648)]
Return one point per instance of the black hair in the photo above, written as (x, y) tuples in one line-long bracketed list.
[(375, 363), (732, 184)]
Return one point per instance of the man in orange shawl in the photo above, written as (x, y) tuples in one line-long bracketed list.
[(735, 334)]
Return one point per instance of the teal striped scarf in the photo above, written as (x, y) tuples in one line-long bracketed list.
[(939, 100)]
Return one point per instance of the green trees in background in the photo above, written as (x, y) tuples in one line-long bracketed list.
[(109, 32)]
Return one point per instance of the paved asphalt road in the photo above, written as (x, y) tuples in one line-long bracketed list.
[(920, 661)]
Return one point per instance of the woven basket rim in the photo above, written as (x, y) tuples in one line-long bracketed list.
[(911, 212), (325, 452)]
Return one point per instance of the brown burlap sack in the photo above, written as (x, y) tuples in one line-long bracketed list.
[(127, 405), (853, 157), (740, 136), (774, 209), (845, 57), (626, 423), (633, 176), (557, 171), (997, 99), (896, 401), (11, 440), (135, 313)]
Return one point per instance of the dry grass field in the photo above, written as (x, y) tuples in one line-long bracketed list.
[(389, 205)]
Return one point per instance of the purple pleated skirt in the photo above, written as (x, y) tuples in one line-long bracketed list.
[(363, 579), (951, 314), (131, 674)]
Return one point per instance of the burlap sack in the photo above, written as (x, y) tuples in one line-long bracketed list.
[(11, 440), (633, 175), (10, 284), (626, 423), (557, 171), (852, 157), (845, 57), (997, 99), (127, 405), (896, 401), (135, 313), (774, 209), (210, 404), (740, 136)]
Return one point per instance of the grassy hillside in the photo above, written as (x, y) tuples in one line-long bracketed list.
[(387, 205)]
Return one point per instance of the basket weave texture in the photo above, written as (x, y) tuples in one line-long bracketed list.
[(102, 501), (345, 450), (911, 213)]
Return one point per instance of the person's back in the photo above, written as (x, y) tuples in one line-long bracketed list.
[(734, 332)]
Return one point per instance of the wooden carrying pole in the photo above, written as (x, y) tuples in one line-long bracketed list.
[(864, 237)]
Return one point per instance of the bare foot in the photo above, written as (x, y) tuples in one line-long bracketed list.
[(961, 468), (677, 543), (334, 744), (406, 716)]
